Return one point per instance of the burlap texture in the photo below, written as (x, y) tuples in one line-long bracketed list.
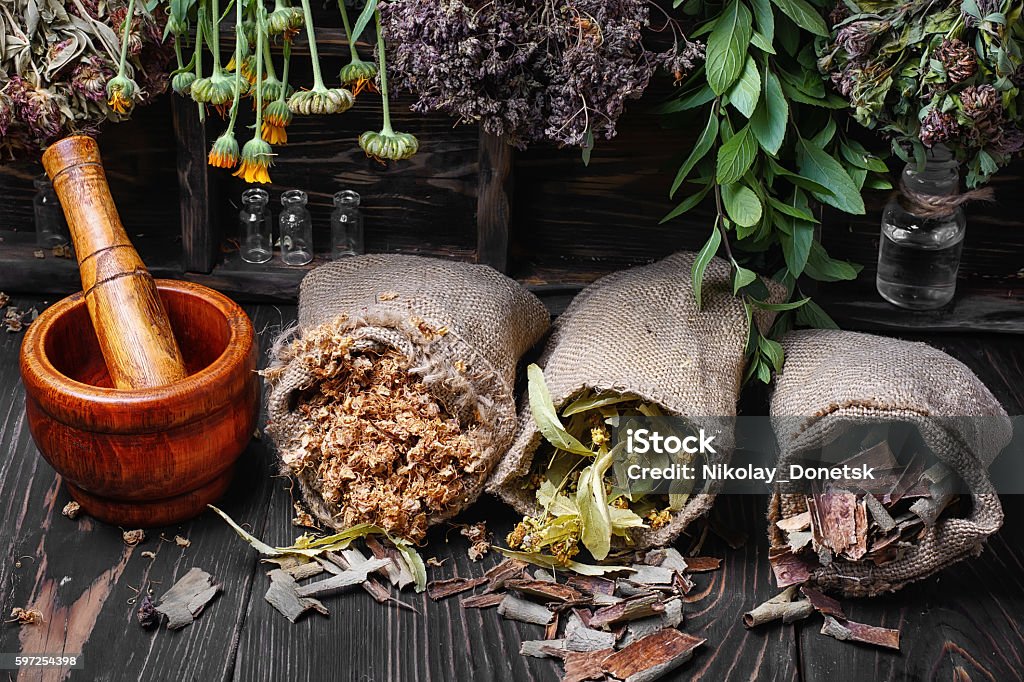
[(639, 332), (832, 379), (462, 326)]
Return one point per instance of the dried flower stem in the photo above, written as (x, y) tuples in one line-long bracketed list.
[(318, 81), (384, 104)]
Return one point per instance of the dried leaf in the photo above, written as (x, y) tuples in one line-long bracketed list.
[(546, 417)]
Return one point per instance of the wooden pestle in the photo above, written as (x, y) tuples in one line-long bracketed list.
[(128, 317)]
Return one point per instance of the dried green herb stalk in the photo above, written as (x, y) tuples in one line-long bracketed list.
[(570, 475)]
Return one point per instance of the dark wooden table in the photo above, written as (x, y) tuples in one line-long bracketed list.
[(964, 624)]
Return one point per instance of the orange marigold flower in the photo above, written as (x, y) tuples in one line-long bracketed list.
[(274, 134), (224, 153), (121, 94), (256, 156)]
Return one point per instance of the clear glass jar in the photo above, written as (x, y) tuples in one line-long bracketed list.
[(255, 227), (51, 225), (296, 228), (918, 257), (346, 225)]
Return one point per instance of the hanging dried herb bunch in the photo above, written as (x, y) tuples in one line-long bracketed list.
[(557, 71), (570, 477), (935, 73), (57, 58)]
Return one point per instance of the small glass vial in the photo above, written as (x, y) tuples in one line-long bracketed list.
[(255, 227), (296, 228), (51, 226), (346, 225), (918, 257)]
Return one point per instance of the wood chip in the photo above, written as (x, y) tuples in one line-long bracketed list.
[(823, 603), (442, 589), (626, 610), (482, 601), (514, 608), (579, 637), (652, 657), (580, 666), (508, 569), (859, 632), (833, 518), (283, 596), (703, 564), (187, 598)]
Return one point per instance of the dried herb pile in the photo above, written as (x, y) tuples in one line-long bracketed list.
[(381, 449), (878, 523), (927, 73), (531, 71), (617, 623), (56, 59), (570, 476)]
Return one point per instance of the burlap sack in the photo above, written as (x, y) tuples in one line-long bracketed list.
[(463, 327), (832, 379), (638, 331)]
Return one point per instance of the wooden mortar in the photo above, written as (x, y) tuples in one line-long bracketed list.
[(140, 393)]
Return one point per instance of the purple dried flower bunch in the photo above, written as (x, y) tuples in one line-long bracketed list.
[(925, 74), (57, 61), (560, 71)]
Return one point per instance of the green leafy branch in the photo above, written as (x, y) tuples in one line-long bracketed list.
[(758, 95)]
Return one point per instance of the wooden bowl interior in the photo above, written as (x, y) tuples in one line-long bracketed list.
[(200, 328)]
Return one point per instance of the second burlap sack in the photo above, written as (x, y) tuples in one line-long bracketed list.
[(640, 332), (460, 327), (833, 380)]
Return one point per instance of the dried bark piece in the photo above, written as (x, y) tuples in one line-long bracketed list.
[(542, 648), (638, 629), (780, 607), (187, 598), (482, 601), (397, 573), (942, 490), (282, 595), (798, 539), (789, 569), (442, 589), (797, 522), (588, 639), (543, 590), (337, 564), (580, 666), (651, 575), (342, 581), (682, 583), (304, 571), (859, 548), (879, 514), (666, 557), (508, 569), (909, 477), (514, 608), (591, 584), (652, 657), (703, 564), (834, 519), (626, 610), (551, 631), (823, 603), (859, 632)]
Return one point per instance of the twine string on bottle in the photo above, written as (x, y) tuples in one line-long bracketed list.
[(932, 206)]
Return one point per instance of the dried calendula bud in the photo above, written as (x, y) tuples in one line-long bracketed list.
[(121, 92), (71, 509), (26, 616), (133, 537), (284, 19), (389, 145), (182, 82), (358, 75), (318, 102)]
